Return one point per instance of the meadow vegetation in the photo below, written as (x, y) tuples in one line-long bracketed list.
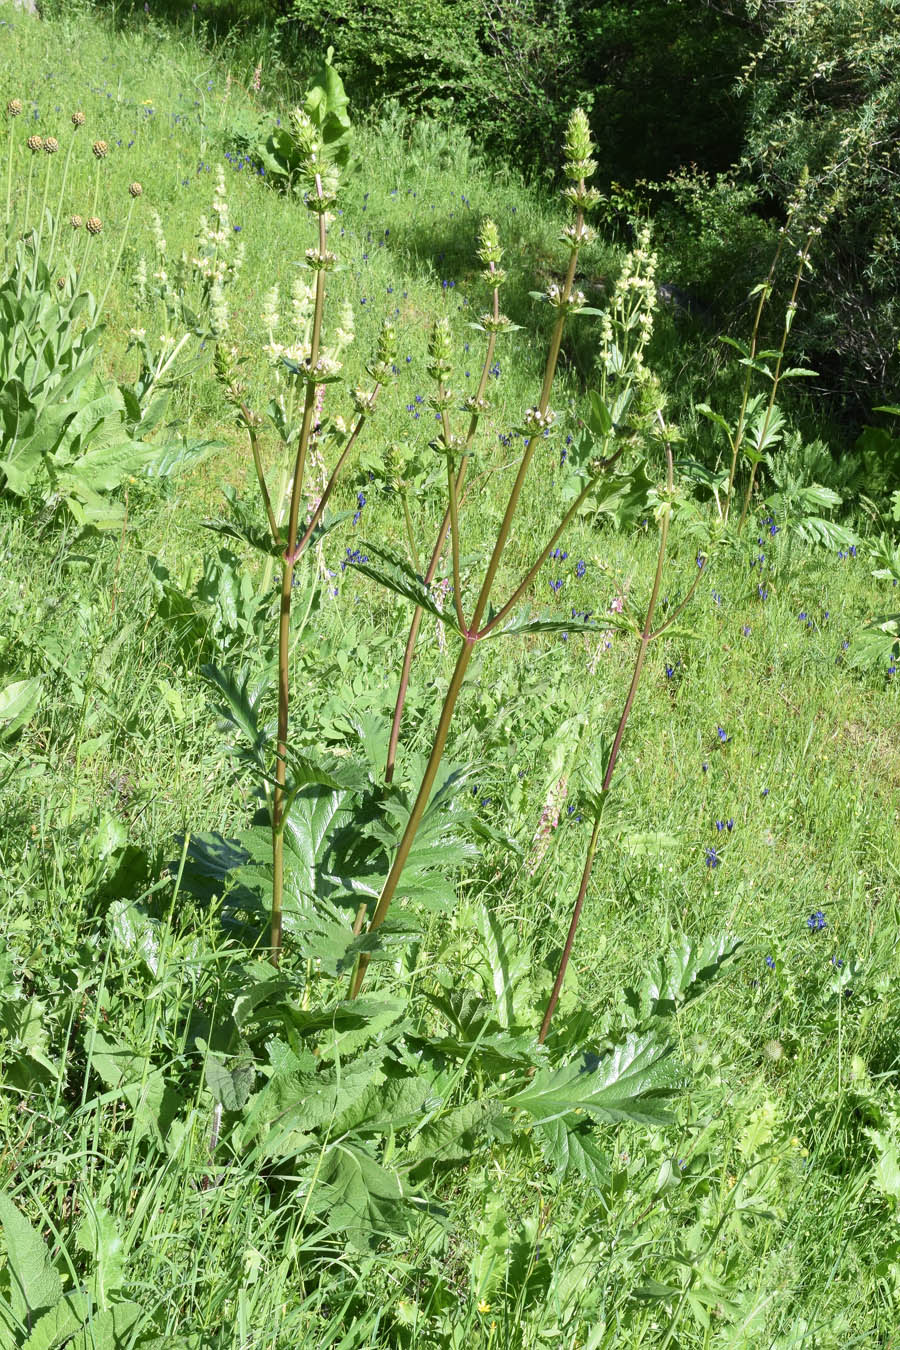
[(522, 977)]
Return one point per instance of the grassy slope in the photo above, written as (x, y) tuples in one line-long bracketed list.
[(125, 745)]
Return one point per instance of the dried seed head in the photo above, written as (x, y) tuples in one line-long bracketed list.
[(135, 189), (14, 107), (100, 149), (60, 283), (78, 119), (76, 222), (93, 225), (34, 144), (51, 145)]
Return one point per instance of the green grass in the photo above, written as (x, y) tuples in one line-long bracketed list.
[(766, 1215)]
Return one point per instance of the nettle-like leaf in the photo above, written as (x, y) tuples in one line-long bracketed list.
[(682, 975), (240, 710), (354, 1194), (396, 575), (442, 843), (34, 1283), (878, 644), (232, 1084), (629, 1083), (454, 1135), (573, 1152)]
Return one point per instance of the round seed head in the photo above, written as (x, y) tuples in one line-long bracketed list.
[(76, 222), (78, 119), (34, 144), (60, 283), (135, 189), (14, 107), (93, 225), (51, 145), (100, 149)]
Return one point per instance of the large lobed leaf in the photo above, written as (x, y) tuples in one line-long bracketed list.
[(630, 1083)]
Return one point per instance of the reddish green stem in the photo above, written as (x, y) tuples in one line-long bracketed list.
[(645, 640)]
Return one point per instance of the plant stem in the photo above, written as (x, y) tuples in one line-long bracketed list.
[(415, 817), (284, 619), (62, 193), (247, 415), (454, 545), (410, 532), (470, 633), (776, 377), (529, 578), (764, 293), (438, 549), (115, 267), (335, 473), (647, 636), (570, 939)]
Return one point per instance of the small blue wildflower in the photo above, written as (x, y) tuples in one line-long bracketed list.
[(765, 792), (746, 630), (712, 858), (722, 734), (770, 962), (555, 585), (580, 568), (670, 671), (704, 768), (816, 922)]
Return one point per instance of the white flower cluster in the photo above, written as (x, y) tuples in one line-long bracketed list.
[(219, 258), (627, 325)]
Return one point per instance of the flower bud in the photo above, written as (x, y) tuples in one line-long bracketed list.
[(489, 250), (320, 262), (51, 145), (76, 222), (100, 149), (34, 143), (78, 119), (578, 147), (439, 349), (60, 283), (94, 225), (135, 190), (535, 421), (14, 107)]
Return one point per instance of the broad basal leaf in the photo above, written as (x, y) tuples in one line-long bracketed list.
[(630, 1083), (35, 1285), (685, 972)]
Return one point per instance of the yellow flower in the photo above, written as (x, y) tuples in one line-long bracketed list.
[(484, 1306)]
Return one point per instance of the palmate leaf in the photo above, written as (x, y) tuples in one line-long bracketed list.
[(630, 1083), (683, 974), (396, 575)]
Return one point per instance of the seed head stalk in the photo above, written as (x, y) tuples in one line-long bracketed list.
[(577, 128), (77, 122)]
